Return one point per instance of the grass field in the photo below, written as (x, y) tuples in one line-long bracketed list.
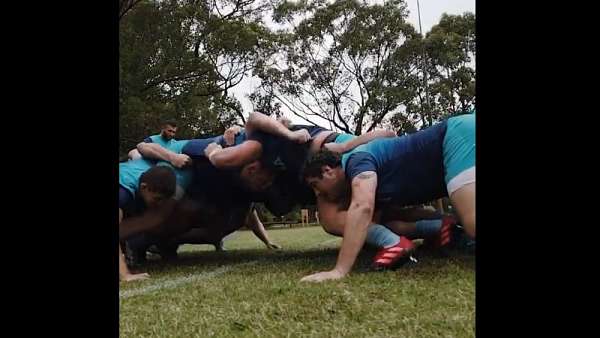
[(249, 291)]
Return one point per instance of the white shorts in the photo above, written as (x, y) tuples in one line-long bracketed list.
[(460, 180)]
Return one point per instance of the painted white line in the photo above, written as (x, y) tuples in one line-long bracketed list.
[(166, 283), (174, 283)]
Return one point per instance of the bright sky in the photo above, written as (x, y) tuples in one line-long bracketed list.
[(431, 12)]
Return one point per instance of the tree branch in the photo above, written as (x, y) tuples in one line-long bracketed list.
[(293, 110), (174, 79), (125, 6)]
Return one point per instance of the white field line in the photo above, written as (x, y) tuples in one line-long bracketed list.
[(166, 283)]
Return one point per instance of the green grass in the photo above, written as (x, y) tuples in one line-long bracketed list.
[(258, 293)]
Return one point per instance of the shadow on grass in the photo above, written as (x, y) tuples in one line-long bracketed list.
[(215, 258), (320, 256)]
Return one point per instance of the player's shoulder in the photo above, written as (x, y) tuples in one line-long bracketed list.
[(356, 157), (137, 163)]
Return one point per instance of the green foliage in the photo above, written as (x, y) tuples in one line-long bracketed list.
[(177, 61), (355, 64), (362, 66)]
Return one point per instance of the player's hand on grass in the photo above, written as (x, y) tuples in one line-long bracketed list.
[(300, 136), (335, 147), (211, 148), (134, 276), (180, 160), (273, 246), (323, 276), (230, 133)]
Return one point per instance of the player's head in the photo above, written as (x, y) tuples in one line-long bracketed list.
[(256, 176), (156, 185), (168, 129), (324, 174)]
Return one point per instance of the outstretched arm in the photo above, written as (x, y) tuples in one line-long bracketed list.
[(362, 139), (124, 273), (358, 218), (259, 230)]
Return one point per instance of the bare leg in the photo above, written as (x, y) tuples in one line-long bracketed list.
[(463, 200), (402, 228)]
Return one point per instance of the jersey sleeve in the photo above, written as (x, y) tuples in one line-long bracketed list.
[(359, 163)]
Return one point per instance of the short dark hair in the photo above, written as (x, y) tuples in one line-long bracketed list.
[(171, 123), (160, 179), (312, 166)]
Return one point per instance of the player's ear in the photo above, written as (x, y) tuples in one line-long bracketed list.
[(143, 186), (326, 170), (251, 168)]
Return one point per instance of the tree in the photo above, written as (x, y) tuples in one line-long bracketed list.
[(357, 65), (336, 62), (450, 48), (361, 66), (178, 59)]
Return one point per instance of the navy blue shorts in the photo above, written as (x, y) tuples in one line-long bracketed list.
[(125, 197)]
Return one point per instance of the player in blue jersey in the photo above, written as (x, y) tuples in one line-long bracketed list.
[(217, 202), (285, 148), (142, 185), (432, 163), (165, 138)]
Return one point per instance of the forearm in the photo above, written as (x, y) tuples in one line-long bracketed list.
[(355, 233), (225, 158), (367, 137), (123, 269), (134, 154), (257, 228), (259, 121), (155, 151), (235, 156)]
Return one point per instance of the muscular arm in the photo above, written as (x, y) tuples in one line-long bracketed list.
[(359, 217), (134, 154), (157, 152), (235, 156), (259, 121)]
